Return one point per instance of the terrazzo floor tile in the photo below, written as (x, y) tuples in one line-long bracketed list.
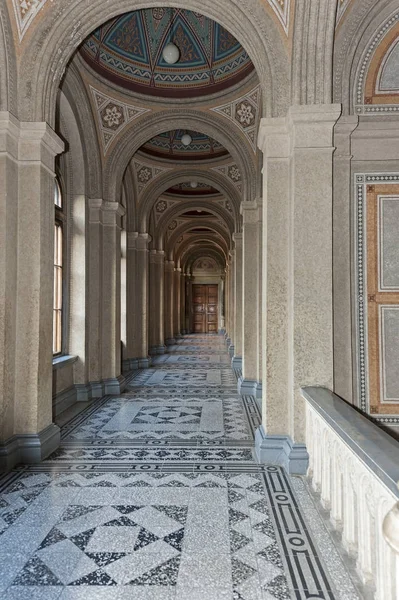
[(155, 495)]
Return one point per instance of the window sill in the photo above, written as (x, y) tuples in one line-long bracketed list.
[(62, 361)]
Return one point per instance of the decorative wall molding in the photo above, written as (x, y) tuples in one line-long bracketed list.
[(282, 9), (368, 98), (245, 113), (113, 116), (371, 397), (342, 7), (146, 173), (25, 11)]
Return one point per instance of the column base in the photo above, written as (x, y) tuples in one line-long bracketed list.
[(170, 342), (29, 448), (154, 350), (231, 350), (132, 364), (64, 400), (236, 362), (259, 390), (97, 389), (282, 451), (247, 387)]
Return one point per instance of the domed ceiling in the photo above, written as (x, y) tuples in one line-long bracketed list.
[(185, 189), (169, 145), (128, 51)]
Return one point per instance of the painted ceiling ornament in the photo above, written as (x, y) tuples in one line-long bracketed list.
[(161, 206), (244, 112), (232, 173), (25, 11), (282, 10), (129, 51), (145, 173), (172, 225), (113, 116)]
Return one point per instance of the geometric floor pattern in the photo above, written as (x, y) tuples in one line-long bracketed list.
[(155, 495)]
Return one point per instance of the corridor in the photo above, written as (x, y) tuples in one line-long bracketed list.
[(155, 495)]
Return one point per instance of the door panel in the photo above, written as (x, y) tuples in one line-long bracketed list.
[(205, 308)]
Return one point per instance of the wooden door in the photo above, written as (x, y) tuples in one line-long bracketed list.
[(205, 308)]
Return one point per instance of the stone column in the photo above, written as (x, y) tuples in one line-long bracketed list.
[(27, 152), (137, 284), (238, 297), (183, 303), (157, 297), (251, 275), (342, 260), (230, 339), (169, 297), (111, 213), (222, 304), (177, 302), (297, 275), (189, 311), (227, 315)]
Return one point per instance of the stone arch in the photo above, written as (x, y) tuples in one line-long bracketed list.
[(205, 253), (157, 123), (354, 38), (209, 244), (75, 92), (57, 36), (179, 231), (8, 65), (182, 207), (312, 55), (163, 182)]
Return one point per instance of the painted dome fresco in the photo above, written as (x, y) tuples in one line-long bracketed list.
[(128, 51), (170, 145)]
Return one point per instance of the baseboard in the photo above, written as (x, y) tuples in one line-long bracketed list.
[(281, 450), (247, 387), (29, 448), (64, 400)]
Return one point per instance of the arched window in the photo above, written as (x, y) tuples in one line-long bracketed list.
[(58, 338)]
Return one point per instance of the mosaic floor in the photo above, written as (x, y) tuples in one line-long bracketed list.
[(155, 495)]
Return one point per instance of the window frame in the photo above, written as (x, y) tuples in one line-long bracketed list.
[(60, 220)]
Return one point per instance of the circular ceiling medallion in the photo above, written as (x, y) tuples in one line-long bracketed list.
[(129, 51)]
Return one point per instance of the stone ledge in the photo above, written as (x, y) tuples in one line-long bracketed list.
[(62, 361), (373, 446)]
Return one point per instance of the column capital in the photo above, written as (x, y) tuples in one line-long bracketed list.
[(177, 269), (29, 141), (237, 239), (251, 211), (107, 213), (157, 256), (343, 130), (170, 265), (311, 126), (273, 137), (138, 241)]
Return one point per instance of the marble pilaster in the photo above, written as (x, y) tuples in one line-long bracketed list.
[(297, 275), (177, 303)]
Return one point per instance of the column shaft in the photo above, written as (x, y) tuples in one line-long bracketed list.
[(251, 275), (177, 302), (169, 298), (157, 297), (238, 298)]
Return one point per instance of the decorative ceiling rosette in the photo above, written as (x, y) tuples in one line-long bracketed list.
[(146, 173), (113, 116), (245, 113)]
